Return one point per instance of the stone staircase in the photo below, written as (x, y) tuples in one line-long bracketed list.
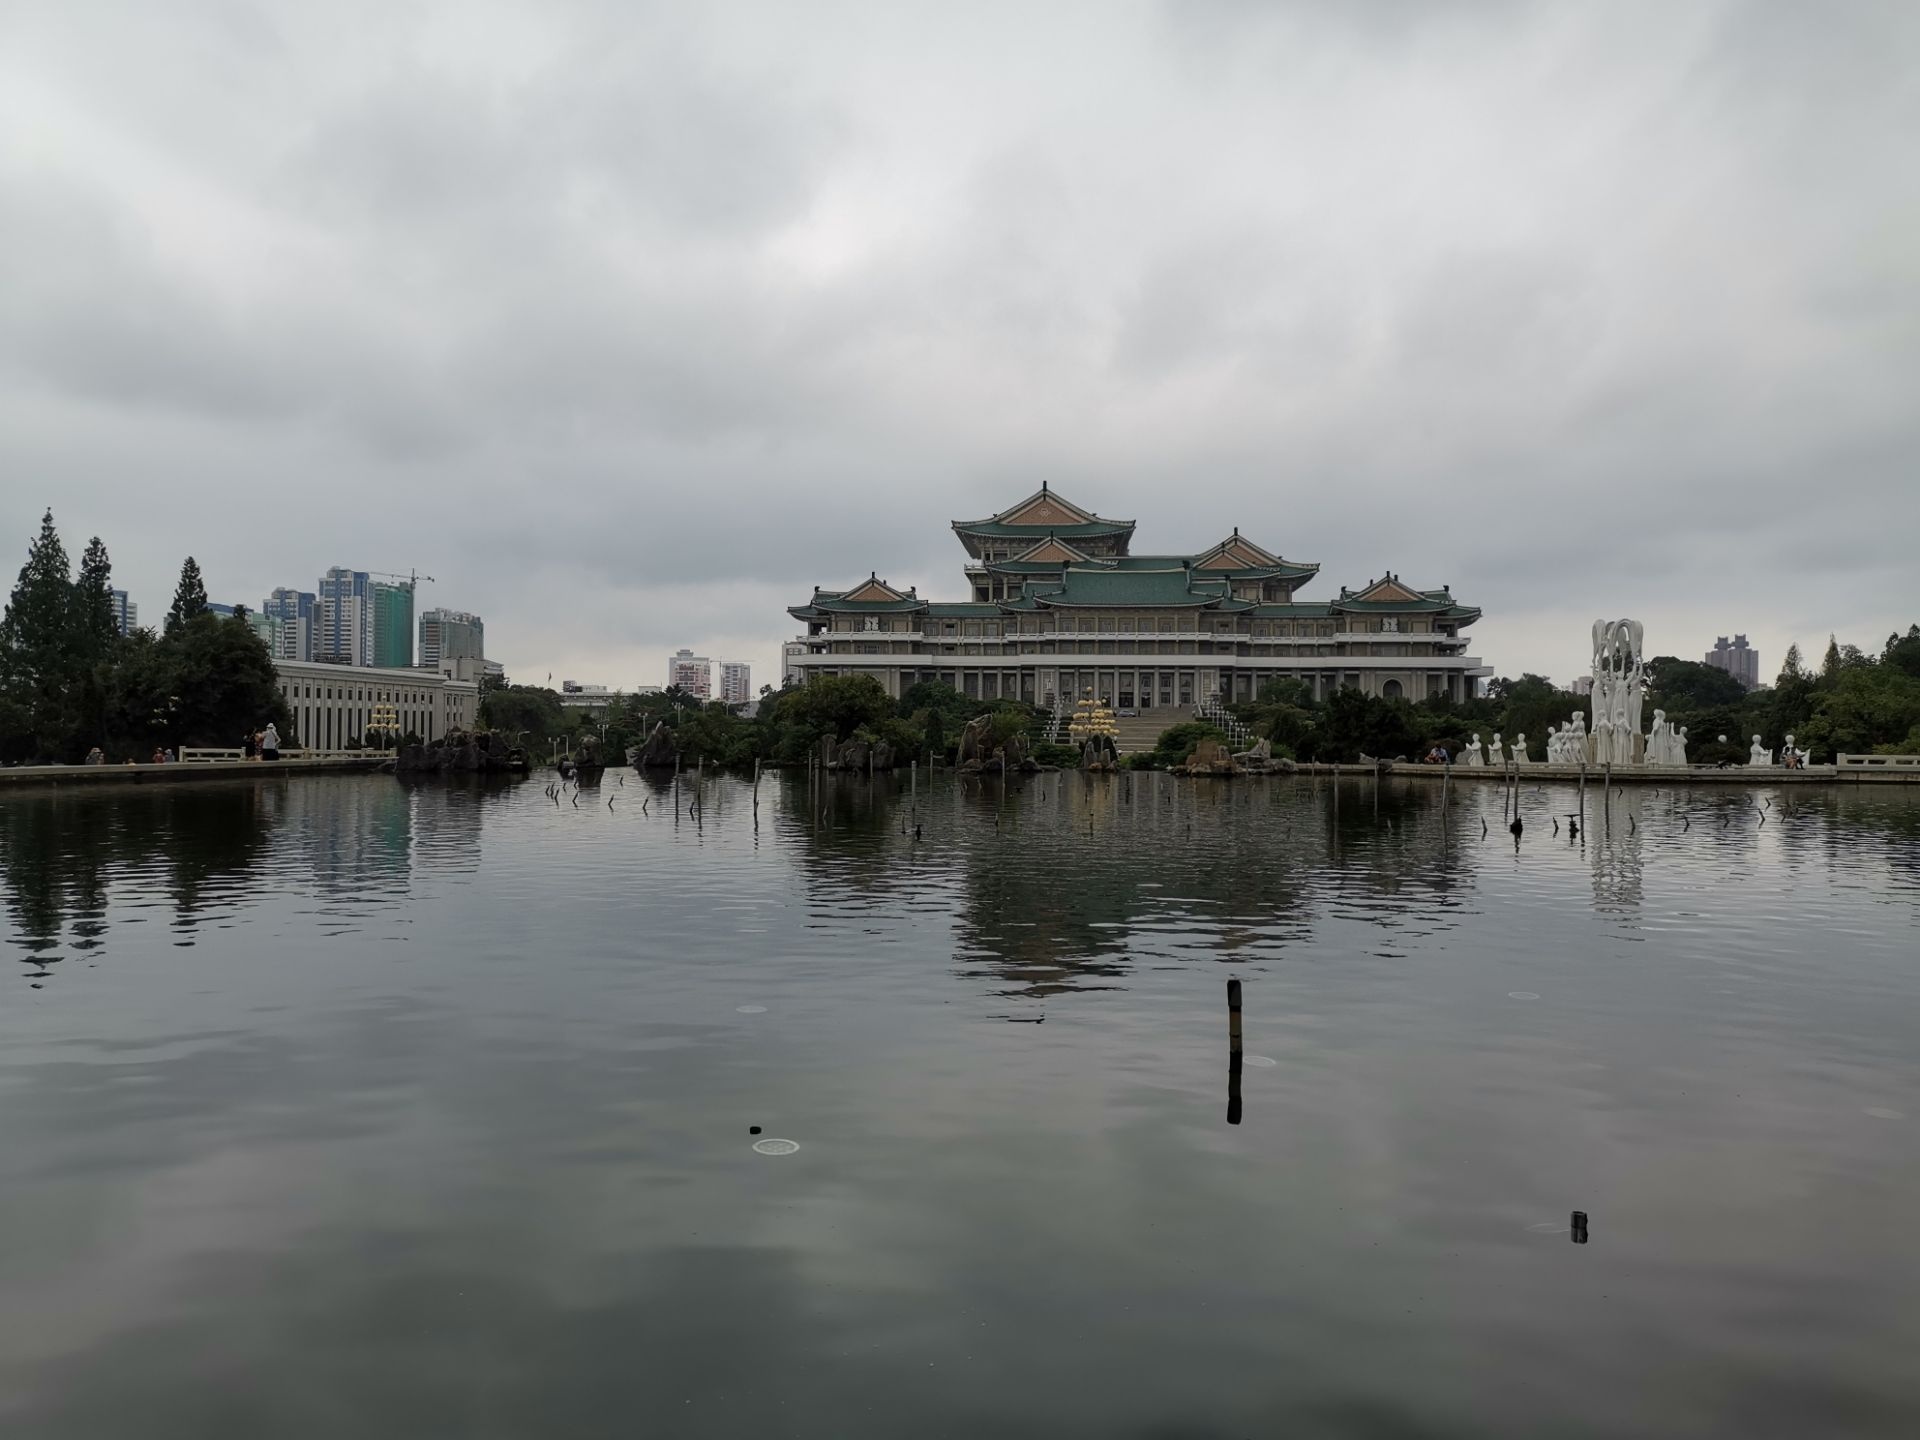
[(1134, 733), (1239, 737)]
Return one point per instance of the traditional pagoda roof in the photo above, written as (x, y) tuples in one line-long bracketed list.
[(1042, 514), (871, 597), (1390, 595), (1240, 557)]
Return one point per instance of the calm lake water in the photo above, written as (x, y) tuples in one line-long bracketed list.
[(330, 1107)]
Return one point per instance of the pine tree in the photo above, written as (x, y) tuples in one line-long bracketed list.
[(189, 596), (93, 627), (36, 657), (1830, 665), (1792, 668)]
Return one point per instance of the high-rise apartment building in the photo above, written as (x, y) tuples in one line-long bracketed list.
[(1738, 659), (344, 610), (392, 624), (736, 682), (691, 673), (447, 635), (294, 611), (126, 614)]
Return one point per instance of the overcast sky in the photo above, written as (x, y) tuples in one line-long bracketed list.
[(630, 324)]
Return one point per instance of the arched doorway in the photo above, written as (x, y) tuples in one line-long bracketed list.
[(1390, 690)]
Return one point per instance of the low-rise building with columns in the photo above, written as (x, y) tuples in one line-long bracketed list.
[(1061, 607), (332, 704)]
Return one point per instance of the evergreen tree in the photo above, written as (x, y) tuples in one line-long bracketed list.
[(36, 659), (1792, 668), (1830, 665), (93, 627), (189, 596)]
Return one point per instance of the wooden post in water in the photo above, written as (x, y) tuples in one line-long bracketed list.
[(1583, 792), (1606, 800), (1233, 1052)]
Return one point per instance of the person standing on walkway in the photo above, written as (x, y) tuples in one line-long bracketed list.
[(250, 744), (270, 742)]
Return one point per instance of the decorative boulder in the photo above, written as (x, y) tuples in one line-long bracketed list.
[(658, 752)]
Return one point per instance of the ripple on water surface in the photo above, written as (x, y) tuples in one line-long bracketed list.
[(288, 1059)]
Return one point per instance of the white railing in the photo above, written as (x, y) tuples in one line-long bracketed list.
[(1877, 762), (208, 755)]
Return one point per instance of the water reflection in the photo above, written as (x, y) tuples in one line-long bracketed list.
[(502, 1174), (209, 851)]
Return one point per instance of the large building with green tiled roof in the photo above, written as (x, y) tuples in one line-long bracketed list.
[(1060, 607)]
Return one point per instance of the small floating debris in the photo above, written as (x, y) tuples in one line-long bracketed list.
[(1881, 1112), (1261, 1060), (750, 1009), (776, 1147), (1522, 995), (1579, 1227)]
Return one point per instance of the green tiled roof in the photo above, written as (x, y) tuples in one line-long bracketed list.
[(1093, 585), (962, 609), (834, 600), (1292, 610), (993, 529)]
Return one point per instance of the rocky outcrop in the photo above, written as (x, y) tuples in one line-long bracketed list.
[(856, 755), (1098, 759), (1210, 758), (975, 741), (462, 754), (658, 752)]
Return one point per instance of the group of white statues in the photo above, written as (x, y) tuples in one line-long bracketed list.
[(1496, 754), (1619, 691)]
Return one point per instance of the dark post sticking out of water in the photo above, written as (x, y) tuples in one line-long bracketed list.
[(1606, 801), (1233, 1052)]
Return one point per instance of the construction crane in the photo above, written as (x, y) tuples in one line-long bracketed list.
[(412, 577)]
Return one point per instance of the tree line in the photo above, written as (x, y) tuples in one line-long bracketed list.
[(1856, 703), (71, 682)]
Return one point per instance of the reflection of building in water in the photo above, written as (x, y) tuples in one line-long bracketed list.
[(353, 834), (1066, 882)]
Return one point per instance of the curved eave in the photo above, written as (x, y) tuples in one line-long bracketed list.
[(998, 530)]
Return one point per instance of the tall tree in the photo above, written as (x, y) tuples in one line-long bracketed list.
[(35, 651), (189, 596), (1792, 668), (1830, 664), (93, 627)]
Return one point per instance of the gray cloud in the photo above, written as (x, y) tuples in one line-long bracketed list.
[(631, 325)]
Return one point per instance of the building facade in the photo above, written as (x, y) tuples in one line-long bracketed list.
[(334, 703), (450, 635), (344, 610), (392, 624), (126, 614), (1738, 659), (691, 673), (736, 682), (294, 612), (1061, 607)]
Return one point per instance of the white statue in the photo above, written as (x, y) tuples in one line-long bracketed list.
[(1520, 750), (1579, 748), (1659, 740), (1677, 747), (1759, 754), (1496, 755), (1553, 746), (1800, 758), (1473, 755), (1619, 691)]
